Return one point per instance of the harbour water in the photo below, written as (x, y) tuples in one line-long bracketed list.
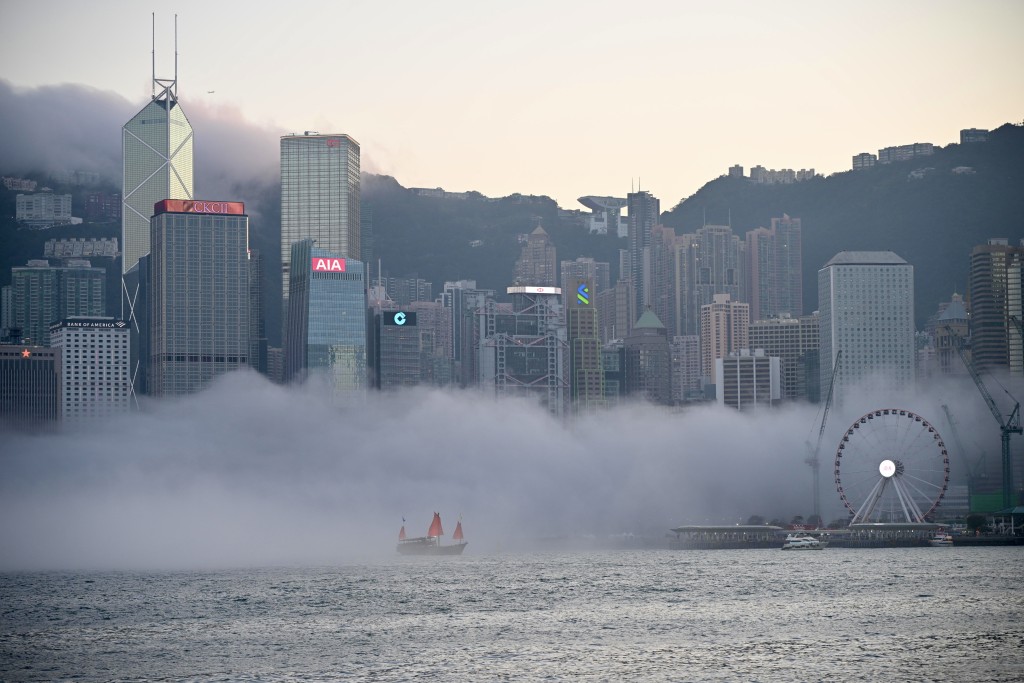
[(900, 614)]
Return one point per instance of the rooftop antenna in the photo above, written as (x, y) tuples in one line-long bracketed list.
[(154, 56), (175, 56)]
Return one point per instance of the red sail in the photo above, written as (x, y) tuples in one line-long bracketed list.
[(457, 536), (435, 526), (401, 534)]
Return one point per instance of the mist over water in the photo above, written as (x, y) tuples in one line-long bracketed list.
[(248, 473)]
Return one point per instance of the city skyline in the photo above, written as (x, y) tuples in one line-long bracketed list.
[(502, 96)]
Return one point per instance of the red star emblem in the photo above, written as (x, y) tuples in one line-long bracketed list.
[(25, 353)]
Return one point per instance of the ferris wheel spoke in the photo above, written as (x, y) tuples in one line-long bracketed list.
[(911, 512)]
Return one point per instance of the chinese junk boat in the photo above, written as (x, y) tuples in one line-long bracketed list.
[(431, 543)]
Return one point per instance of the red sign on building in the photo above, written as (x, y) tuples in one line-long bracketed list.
[(328, 265), (198, 206)]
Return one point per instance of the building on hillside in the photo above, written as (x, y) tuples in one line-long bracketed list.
[(522, 350), (648, 361), (43, 210), (866, 304), (994, 298), (606, 215), (95, 367), (74, 248), (889, 155), (42, 294), (537, 264), (747, 380), (30, 386), (736, 171), (103, 207), (326, 329), (724, 329), (199, 303), (971, 135), (796, 343), (864, 160)]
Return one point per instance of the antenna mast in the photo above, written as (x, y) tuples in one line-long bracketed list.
[(153, 82), (175, 56)]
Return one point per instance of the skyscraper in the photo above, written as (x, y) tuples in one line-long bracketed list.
[(30, 385), (995, 304), (866, 304), (644, 213), (94, 367), (710, 261), (774, 277), (586, 378), (648, 361), (325, 337), (156, 147), (795, 342), (199, 298), (42, 295), (724, 329), (537, 264), (319, 197)]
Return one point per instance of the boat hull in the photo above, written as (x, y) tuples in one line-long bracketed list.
[(426, 547)]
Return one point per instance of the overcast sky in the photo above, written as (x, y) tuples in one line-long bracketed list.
[(555, 98)]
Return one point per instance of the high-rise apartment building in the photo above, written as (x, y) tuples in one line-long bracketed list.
[(644, 212), (994, 294), (774, 273), (724, 329), (42, 294), (199, 297), (320, 195), (325, 334), (866, 304), (796, 343), (664, 266), (537, 264), (686, 375), (43, 210), (711, 261), (94, 367)]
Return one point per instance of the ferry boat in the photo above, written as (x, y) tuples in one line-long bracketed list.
[(803, 542), (431, 543), (941, 539)]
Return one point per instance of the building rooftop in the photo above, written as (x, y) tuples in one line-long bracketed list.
[(649, 319), (865, 258)]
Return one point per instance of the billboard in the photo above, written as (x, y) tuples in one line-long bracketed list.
[(325, 264), (534, 290), (198, 206)]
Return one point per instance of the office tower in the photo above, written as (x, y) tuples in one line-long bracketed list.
[(613, 364), (644, 213), (396, 356), (950, 331), (774, 279), (465, 303), (42, 294), (747, 380), (366, 233), (711, 261), (724, 329), (405, 290), (319, 197), (325, 335), (435, 328), (537, 264), (156, 149), (866, 304), (586, 376), (648, 361), (522, 350), (596, 273), (199, 303), (685, 350), (94, 367), (257, 319), (994, 301), (616, 312), (796, 343), (606, 216), (30, 385)]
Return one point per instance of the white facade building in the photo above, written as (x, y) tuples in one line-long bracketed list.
[(866, 304), (95, 367), (43, 209)]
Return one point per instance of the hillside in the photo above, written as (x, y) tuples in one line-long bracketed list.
[(932, 222)]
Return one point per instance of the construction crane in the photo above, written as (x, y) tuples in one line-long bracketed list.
[(1007, 427), (813, 459), (971, 467)]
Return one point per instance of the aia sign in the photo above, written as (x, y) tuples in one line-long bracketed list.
[(321, 264), (333, 142)]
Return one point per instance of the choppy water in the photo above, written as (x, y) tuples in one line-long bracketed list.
[(913, 614)]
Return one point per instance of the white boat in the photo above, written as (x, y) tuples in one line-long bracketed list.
[(941, 539), (803, 542)]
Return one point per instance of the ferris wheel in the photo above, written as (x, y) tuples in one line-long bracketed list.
[(891, 466)]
